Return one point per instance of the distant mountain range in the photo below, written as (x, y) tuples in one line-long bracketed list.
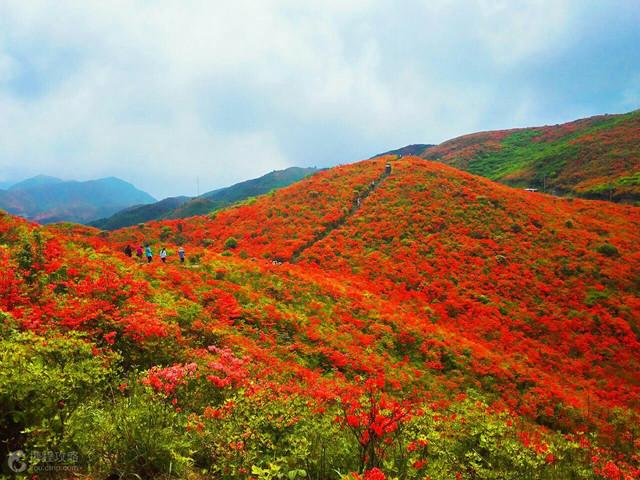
[(182, 207), (48, 199), (596, 157)]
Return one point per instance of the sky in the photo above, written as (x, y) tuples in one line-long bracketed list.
[(162, 93)]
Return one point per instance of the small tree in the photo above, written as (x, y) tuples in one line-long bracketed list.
[(373, 416), (230, 243), (608, 250)]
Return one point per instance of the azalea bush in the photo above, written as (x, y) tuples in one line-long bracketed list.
[(447, 328)]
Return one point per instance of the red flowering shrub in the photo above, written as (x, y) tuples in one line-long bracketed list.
[(360, 333)]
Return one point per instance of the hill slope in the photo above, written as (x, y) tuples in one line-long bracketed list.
[(140, 214), (441, 326), (182, 207), (48, 199), (596, 157)]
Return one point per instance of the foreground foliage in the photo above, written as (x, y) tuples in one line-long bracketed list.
[(442, 327)]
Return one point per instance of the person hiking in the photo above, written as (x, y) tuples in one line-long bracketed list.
[(387, 169), (181, 254), (139, 252), (148, 253), (128, 251), (163, 255)]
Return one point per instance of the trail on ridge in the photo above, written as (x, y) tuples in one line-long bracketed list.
[(357, 203)]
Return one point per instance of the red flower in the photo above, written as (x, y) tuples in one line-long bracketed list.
[(374, 474)]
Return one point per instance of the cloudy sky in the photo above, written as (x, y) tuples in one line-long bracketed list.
[(162, 92)]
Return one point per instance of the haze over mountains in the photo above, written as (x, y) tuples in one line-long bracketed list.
[(48, 199), (113, 203), (596, 157)]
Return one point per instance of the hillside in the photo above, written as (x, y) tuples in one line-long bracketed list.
[(182, 207), (596, 157), (48, 199), (140, 214), (441, 326)]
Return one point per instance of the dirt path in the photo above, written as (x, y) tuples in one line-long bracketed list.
[(357, 203)]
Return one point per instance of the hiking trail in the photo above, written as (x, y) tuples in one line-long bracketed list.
[(357, 204)]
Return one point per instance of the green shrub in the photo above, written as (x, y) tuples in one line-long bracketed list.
[(607, 250), (288, 440), (30, 258), (230, 243), (476, 444), (194, 259), (132, 436), (165, 232), (43, 380)]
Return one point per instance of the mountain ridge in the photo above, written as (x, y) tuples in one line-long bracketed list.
[(181, 207), (596, 157), (36, 181), (49, 199)]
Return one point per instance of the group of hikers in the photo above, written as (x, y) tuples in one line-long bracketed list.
[(148, 253)]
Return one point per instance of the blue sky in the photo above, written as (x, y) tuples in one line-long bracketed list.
[(161, 92)]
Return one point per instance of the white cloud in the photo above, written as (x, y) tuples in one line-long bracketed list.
[(516, 31), (161, 92)]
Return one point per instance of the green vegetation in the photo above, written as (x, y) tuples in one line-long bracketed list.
[(43, 381), (608, 250), (595, 157), (57, 395), (184, 207), (230, 243)]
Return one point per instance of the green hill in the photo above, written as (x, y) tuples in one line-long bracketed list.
[(596, 157), (183, 207), (140, 214)]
